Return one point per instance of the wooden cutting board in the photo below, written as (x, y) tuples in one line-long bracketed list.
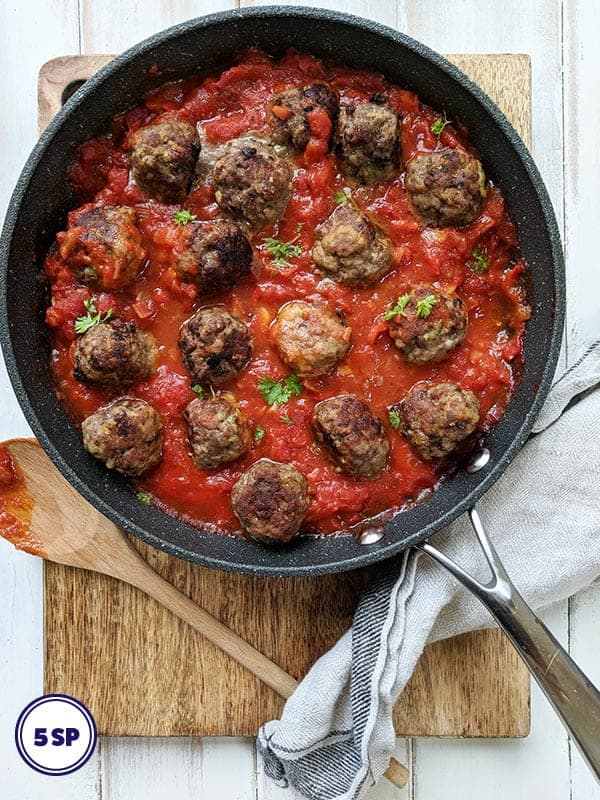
[(142, 672)]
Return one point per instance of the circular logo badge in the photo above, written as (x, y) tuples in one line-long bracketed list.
[(55, 734)]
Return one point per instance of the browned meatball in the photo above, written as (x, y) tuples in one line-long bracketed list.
[(163, 156), (351, 249), (252, 182), (368, 137), (216, 257), (215, 345), (114, 354), (103, 246), (310, 338), (127, 435), (354, 438), (290, 125), (429, 326), (435, 418), (218, 431), (447, 187), (270, 500)]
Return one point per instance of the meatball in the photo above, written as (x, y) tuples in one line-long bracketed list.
[(252, 182), (216, 257), (435, 418), (114, 354), (270, 500), (351, 249), (429, 326), (447, 187), (368, 140), (310, 338), (126, 434), (218, 431), (163, 157), (214, 345), (354, 438), (103, 246), (290, 110)]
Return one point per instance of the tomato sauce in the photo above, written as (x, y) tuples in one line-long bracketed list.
[(16, 506), (487, 362)]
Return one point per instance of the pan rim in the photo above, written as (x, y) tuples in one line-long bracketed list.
[(364, 556)]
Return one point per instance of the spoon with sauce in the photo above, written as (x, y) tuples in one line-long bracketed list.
[(41, 513)]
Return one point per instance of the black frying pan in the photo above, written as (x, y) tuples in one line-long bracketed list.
[(42, 198)]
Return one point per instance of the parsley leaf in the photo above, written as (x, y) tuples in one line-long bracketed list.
[(425, 305), (198, 389), (286, 419), (398, 308), (341, 198), (439, 124), (259, 433), (480, 261), (144, 498), (283, 251), (276, 393), (183, 216), (395, 420), (92, 318)]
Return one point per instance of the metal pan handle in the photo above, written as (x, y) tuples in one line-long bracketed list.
[(575, 699)]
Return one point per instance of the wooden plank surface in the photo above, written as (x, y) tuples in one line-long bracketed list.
[(144, 673)]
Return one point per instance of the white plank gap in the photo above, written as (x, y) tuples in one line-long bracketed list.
[(111, 26), (227, 764), (384, 11), (581, 169), (151, 769)]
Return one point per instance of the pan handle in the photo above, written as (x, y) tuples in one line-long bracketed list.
[(575, 699)]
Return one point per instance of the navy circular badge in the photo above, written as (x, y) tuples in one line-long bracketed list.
[(56, 734)]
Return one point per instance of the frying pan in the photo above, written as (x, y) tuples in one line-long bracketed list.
[(39, 207), (42, 198)]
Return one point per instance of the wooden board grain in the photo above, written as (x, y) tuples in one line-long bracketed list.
[(144, 673)]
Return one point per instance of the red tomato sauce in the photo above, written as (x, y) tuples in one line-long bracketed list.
[(486, 363), (16, 506)]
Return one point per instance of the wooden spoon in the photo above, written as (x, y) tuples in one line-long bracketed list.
[(50, 516)]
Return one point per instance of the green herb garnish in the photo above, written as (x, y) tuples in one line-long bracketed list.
[(341, 198), (283, 251), (425, 305), (144, 498), (276, 393), (183, 216), (480, 261), (439, 124), (395, 420), (286, 419), (398, 308), (259, 433), (198, 389), (92, 318)]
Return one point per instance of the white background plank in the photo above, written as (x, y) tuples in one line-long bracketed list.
[(29, 37), (561, 36)]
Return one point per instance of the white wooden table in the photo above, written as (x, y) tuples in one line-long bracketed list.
[(562, 38)]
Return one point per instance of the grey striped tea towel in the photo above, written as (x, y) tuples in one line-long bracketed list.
[(335, 736)]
